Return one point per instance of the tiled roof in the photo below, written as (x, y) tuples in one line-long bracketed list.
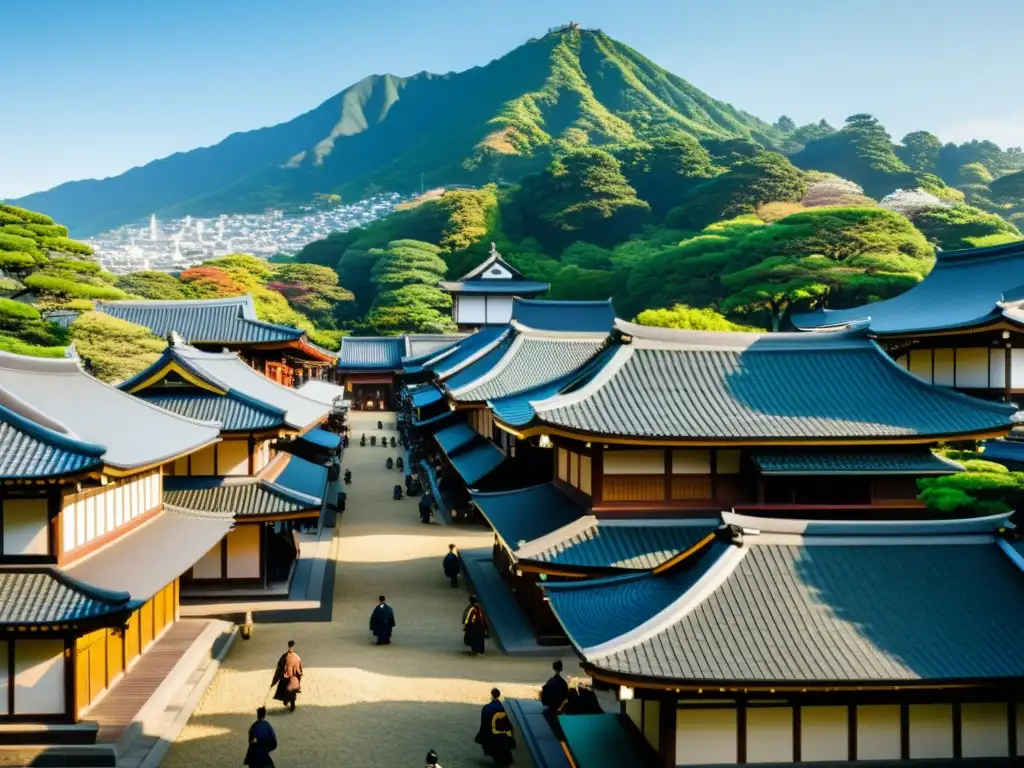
[(151, 556), (48, 596), (443, 416), (424, 346), (828, 605), (523, 515), (1009, 452), (202, 321), (134, 432), (426, 395), (965, 289), (481, 366), (371, 352), (633, 545), (323, 392), (527, 363), (232, 413), (303, 478), (455, 437), (322, 438), (29, 448), (683, 385), (499, 287), (476, 460), (569, 316), (225, 371), (467, 349), (845, 462), (243, 496)]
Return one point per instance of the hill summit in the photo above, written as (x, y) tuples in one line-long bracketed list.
[(495, 122)]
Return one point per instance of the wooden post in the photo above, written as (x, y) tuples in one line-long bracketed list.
[(1007, 378), (667, 732)]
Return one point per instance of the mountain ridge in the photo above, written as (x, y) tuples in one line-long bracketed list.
[(503, 119)]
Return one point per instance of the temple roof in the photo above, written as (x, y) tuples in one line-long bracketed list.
[(324, 392), (202, 321), (567, 316), (423, 346), (233, 413), (531, 359), (965, 289), (456, 436), (846, 462), (812, 603), (382, 353), (480, 365), (425, 395), (242, 496), (462, 353), (133, 432), (32, 596), (40, 449), (151, 556), (526, 514), (224, 374), (320, 437), (759, 387), (495, 275), (476, 460)]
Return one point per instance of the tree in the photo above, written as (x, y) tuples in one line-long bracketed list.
[(805, 134), (828, 189), (683, 317), (114, 349), (785, 124), (910, 201), (920, 150), (1008, 187), (663, 170), (158, 286), (577, 284), (974, 173), (963, 226), (313, 291), (777, 283), (406, 274), (212, 283)]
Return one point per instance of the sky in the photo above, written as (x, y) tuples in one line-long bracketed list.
[(92, 89)]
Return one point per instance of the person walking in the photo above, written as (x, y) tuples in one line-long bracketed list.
[(452, 566), (495, 735), (554, 696), (262, 741), (432, 760), (288, 677), (474, 626), (426, 507), (382, 622)]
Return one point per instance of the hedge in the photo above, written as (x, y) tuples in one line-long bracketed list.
[(26, 215), (16, 261), (65, 245), (18, 347), (58, 285), (17, 243)]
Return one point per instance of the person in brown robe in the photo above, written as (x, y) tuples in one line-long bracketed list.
[(288, 677)]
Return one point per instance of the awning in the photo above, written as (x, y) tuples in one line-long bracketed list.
[(304, 477), (824, 462), (526, 514), (477, 460), (424, 397), (455, 437), (443, 416), (153, 555), (321, 437)]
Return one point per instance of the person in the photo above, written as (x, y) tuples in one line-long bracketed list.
[(432, 760), (362, 440), (495, 735), (288, 677), (382, 622), (348, 477), (426, 507), (474, 626), (397, 493), (400, 464), (452, 566), (390, 463), (262, 741), (394, 443), (554, 696)]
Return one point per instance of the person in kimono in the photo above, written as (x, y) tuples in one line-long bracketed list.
[(495, 735), (474, 626), (288, 677), (382, 622), (262, 741), (452, 566)]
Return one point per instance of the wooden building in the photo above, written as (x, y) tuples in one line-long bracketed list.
[(483, 296), (92, 555), (268, 491), (369, 366), (960, 327), (792, 641), (666, 425), (279, 352)]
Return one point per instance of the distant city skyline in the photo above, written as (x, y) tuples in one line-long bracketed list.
[(98, 92)]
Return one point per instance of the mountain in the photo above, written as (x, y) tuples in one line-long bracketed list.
[(499, 121)]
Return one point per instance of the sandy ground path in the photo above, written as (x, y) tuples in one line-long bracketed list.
[(362, 705)]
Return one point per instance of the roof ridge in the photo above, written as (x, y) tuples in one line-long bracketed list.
[(272, 486), (850, 335), (881, 529), (219, 302), (99, 594), (26, 418)]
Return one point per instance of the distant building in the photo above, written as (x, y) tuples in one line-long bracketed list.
[(483, 296)]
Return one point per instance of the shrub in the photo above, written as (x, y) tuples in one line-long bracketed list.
[(48, 230), (10, 242), (47, 284), (65, 245), (909, 202), (16, 261), (26, 215), (17, 229), (16, 346), (963, 226), (689, 318), (112, 348)]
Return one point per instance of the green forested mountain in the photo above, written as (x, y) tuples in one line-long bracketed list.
[(499, 121)]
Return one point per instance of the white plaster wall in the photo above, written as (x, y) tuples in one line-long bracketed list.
[(634, 463), (972, 367), (770, 735), (921, 363), (25, 527), (39, 677), (471, 309), (878, 732), (244, 552), (943, 367), (586, 469), (997, 368), (983, 730), (824, 733), (652, 711), (706, 737), (233, 457), (499, 309), (1016, 368), (208, 566), (691, 462), (931, 731)]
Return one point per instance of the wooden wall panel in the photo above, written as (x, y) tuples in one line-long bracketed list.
[(634, 488), (691, 487)]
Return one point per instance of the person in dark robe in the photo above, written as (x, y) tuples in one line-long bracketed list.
[(432, 760), (389, 464), (426, 507), (397, 493), (262, 741), (288, 677), (495, 735), (554, 696), (452, 566), (348, 477), (474, 626), (400, 464), (382, 622)]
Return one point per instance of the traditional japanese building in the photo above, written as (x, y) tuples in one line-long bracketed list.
[(483, 296), (268, 490), (959, 327), (280, 352), (659, 431), (368, 366), (92, 556), (790, 640)]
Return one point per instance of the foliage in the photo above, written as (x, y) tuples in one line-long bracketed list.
[(768, 177), (16, 346), (963, 226), (1009, 187), (254, 266), (158, 286), (910, 202), (683, 317), (985, 488), (211, 283), (112, 348), (577, 284), (664, 169), (827, 189), (64, 287), (974, 173), (920, 150), (470, 214), (312, 290), (769, 212), (407, 272)]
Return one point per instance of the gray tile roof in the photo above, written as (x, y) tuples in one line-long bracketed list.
[(494, 260), (687, 385), (232, 413), (567, 316), (846, 462), (150, 557), (303, 479), (323, 392), (202, 321), (633, 545), (424, 346), (502, 287), (371, 352), (964, 289), (48, 596), (134, 432), (244, 497), (530, 361), (475, 461), (31, 449), (784, 608), (465, 350)]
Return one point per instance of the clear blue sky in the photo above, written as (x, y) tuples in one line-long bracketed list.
[(93, 88)]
